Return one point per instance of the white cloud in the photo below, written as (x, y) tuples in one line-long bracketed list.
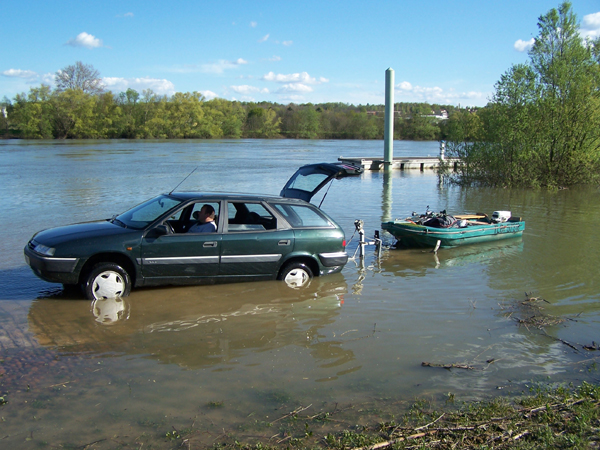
[(243, 98), (590, 26), (222, 65), (18, 73), (253, 24), (407, 92), (302, 77), (159, 86), (29, 77), (209, 95), (524, 46), (48, 78), (129, 14), (287, 43), (295, 87), (246, 89), (293, 98), (85, 40), (264, 38), (275, 58)]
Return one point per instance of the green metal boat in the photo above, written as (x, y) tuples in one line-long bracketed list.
[(450, 231)]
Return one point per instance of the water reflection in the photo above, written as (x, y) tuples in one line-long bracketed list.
[(198, 326), (416, 262), (387, 198), (109, 311)]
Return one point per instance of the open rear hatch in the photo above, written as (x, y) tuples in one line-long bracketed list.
[(309, 179)]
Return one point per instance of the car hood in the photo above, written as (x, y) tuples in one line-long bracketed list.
[(55, 236), (309, 179)]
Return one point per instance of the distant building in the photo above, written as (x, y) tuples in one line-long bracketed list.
[(438, 115), (4, 113), (382, 113)]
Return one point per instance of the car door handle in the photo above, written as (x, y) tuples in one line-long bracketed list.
[(210, 244), (284, 242)]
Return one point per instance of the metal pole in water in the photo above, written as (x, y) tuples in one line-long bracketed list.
[(388, 133)]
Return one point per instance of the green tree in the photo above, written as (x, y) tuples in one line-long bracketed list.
[(542, 127), (363, 126), (309, 126), (130, 120), (568, 76), (262, 123), (153, 110), (32, 114), (222, 118), (73, 113), (108, 116), (6, 108), (185, 115)]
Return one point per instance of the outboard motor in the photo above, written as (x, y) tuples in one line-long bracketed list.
[(501, 216)]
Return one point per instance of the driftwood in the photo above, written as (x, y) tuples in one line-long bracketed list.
[(459, 366), (394, 441), (448, 366), (299, 409)]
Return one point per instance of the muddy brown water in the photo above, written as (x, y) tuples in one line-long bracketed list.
[(228, 359)]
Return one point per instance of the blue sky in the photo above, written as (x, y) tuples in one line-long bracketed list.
[(442, 51)]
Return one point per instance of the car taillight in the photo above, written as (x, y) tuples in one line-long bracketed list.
[(344, 243)]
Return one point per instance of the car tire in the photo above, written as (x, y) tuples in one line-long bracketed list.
[(296, 275), (107, 280)]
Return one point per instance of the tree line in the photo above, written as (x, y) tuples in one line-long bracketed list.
[(78, 108)]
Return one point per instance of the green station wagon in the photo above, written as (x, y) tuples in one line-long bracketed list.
[(254, 237)]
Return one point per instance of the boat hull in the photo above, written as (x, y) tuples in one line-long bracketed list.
[(410, 234)]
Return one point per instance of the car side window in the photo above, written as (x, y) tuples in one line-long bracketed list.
[(195, 212), (249, 216), (301, 216), (176, 216)]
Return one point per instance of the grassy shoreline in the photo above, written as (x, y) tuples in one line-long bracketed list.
[(564, 417)]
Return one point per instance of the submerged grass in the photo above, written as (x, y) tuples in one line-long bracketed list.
[(546, 418)]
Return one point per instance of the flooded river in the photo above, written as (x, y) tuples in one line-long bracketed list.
[(234, 359)]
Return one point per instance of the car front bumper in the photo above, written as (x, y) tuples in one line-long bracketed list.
[(55, 270)]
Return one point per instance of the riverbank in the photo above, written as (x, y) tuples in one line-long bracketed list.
[(546, 418)]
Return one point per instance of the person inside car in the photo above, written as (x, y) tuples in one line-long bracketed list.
[(205, 220)]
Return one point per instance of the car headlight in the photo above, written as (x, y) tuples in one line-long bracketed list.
[(44, 250)]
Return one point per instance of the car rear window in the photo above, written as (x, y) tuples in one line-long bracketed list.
[(308, 182), (249, 216), (301, 216)]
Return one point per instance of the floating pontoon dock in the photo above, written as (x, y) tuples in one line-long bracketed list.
[(400, 163)]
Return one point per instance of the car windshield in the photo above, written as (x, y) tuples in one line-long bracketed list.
[(143, 215)]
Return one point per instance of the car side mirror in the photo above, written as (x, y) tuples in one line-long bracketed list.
[(158, 231)]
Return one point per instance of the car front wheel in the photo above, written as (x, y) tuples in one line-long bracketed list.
[(296, 275), (107, 280)]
